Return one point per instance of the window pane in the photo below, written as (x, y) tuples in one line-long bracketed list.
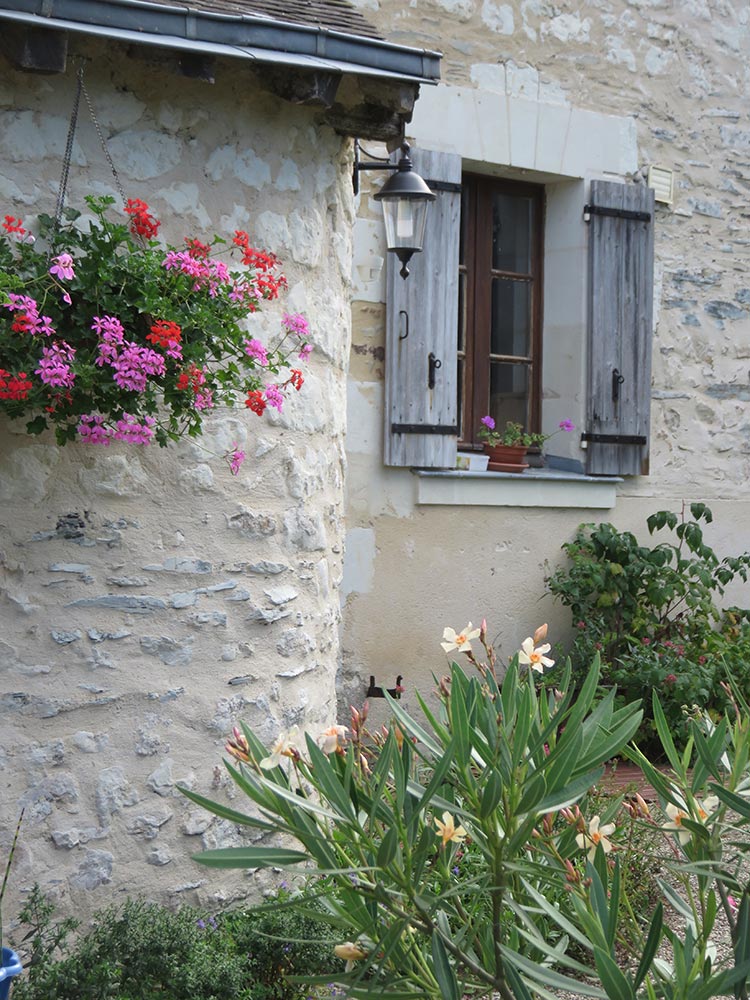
[(509, 387), (462, 312), (461, 374), (511, 317), (464, 224), (511, 233)]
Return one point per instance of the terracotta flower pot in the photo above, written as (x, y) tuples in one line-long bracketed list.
[(506, 458)]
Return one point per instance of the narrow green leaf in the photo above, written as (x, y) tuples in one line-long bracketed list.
[(444, 974), (491, 794), (651, 946), (460, 722), (662, 729), (251, 857), (571, 793), (388, 847), (410, 728), (224, 811), (615, 984), (737, 803)]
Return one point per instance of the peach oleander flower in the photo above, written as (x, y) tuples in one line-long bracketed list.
[(678, 813), (459, 640), (283, 747), (330, 740), (595, 835), (350, 952), (532, 655), (449, 831)]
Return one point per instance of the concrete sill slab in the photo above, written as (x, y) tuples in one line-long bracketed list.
[(533, 488)]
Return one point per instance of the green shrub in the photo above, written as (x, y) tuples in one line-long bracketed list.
[(142, 951), (653, 614)]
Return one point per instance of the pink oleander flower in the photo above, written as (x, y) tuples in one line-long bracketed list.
[(54, 369), (254, 349), (274, 397), (62, 267)]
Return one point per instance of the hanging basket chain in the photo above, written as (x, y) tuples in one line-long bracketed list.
[(103, 141), (81, 89), (68, 153)]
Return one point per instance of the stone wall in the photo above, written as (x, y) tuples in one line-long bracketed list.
[(675, 73), (148, 599)]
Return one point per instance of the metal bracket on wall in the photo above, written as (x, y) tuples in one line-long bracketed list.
[(424, 428), (617, 213), (614, 438), (377, 692)]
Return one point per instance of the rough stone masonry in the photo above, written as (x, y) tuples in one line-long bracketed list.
[(148, 599)]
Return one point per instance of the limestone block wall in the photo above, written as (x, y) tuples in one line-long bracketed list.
[(149, 599), (675, 75)]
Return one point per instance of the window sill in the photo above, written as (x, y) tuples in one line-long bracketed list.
[(533, 488)]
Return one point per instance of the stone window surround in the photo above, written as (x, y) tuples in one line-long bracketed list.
[(563, 148)]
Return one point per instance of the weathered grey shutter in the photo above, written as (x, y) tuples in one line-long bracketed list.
[(422, 320), (621, 259)]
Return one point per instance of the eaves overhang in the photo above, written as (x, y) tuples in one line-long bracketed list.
[(246, 36)]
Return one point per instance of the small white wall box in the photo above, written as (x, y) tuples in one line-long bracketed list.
[(472, 461), (661, 179)]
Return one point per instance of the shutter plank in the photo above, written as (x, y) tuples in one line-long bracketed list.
[(621, 254), (428, 299)]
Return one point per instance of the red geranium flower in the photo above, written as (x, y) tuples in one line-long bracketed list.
[(256, 402)]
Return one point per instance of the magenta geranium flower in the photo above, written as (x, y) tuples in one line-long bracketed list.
[(62, 267)]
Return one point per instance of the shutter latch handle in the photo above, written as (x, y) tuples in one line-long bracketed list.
[(433, 364), (617, 380)]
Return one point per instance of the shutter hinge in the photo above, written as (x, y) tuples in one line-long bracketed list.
[(614, 438), (617, 213), (424, 429), (443, 186)]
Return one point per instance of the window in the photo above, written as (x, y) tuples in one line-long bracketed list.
[(484, 264), (500, 304)]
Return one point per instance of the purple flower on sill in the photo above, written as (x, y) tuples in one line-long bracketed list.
[(567, 425), (488, 422)]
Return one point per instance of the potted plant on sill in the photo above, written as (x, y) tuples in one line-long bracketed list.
[(507, 448)]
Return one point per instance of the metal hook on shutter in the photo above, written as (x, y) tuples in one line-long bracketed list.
[(433, 364), (405, 314), (617, 380)]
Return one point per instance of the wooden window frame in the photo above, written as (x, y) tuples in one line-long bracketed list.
[(475, 307)]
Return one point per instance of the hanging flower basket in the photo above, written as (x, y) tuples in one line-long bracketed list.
[(106, 334)]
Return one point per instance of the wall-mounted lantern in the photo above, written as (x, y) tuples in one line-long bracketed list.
[(405, 197)]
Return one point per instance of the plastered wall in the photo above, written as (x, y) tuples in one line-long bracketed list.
[(558, 94), (149, 599)]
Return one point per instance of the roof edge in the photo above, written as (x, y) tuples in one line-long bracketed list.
[(231, 35)]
